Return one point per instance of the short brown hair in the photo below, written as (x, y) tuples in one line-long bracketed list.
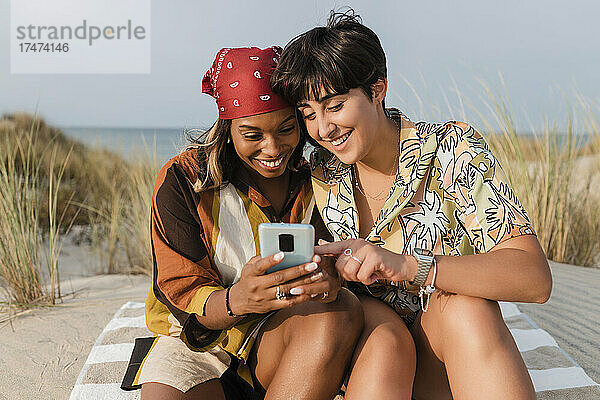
[(338, 57)]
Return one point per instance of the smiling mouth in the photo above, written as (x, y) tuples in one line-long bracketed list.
[(271, 164), (341, 139)]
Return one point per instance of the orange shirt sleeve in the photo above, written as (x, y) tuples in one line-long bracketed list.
[(183, 275)]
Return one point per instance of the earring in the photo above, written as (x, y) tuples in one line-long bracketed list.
[(229, 139)]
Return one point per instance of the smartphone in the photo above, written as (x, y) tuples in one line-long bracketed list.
[(297, 241)]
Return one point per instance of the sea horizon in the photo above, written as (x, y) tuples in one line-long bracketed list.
[(131, 141)]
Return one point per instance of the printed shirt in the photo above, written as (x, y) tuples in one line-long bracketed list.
[(450, 196), (201, 241)]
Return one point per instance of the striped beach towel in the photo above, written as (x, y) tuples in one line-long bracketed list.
[(101, 375), (554, 373)]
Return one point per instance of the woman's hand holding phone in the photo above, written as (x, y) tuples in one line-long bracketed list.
[(330, 285), (256, 291)]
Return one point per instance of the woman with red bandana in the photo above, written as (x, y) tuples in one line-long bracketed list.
[(428, 231), (224, 329)]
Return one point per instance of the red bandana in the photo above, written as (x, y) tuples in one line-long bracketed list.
[(239, 80)]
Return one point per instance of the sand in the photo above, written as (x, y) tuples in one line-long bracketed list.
[(572, 315), (44, 350)]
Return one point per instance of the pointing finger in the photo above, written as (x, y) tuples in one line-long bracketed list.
[(335, 248)]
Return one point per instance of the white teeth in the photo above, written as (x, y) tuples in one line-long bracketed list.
[(341, 140), (271, 164)]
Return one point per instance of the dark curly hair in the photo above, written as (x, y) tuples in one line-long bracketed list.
[(338, 57)]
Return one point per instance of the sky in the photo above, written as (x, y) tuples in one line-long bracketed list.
[(540, 51)]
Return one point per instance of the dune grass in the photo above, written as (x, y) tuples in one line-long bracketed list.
[(555, 174), (82, 175), (23, 188), (120, 222), (49, 182)]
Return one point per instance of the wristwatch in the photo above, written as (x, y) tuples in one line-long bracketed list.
[(425, 261)]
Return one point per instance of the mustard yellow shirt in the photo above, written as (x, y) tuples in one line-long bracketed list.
[(450, 195)]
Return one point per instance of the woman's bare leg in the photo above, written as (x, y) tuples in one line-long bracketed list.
[(383, 366), (208, 390), (302, 352), (464, 346)]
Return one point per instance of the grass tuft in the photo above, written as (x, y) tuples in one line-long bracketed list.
[(48, 183), (554, 174)]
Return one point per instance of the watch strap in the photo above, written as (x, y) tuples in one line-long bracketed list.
[(424, 262)]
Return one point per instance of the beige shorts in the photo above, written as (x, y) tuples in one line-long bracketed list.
[(171, 362)]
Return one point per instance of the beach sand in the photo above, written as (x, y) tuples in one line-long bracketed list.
[(572, 315), (43, 350)]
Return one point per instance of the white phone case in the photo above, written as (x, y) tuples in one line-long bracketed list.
[(304, 243)]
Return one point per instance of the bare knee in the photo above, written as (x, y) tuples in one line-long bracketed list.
[(386, 342), (332, 327), (153, 390), (475, 322), (389, 344), (385, 355), (211, 389), (351, 316)]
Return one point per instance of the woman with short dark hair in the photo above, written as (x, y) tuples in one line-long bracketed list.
[(428, 231)]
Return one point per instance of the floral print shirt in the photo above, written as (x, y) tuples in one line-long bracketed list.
[(450, 196)]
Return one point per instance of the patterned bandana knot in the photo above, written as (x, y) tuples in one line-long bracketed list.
[(239, 80)]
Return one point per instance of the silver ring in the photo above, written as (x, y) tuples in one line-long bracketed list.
[(325, 295), (280, 295), (348, 252)]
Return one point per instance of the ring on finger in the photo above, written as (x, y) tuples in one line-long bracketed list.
[(325, 295), (348, 252), (280, 294)]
